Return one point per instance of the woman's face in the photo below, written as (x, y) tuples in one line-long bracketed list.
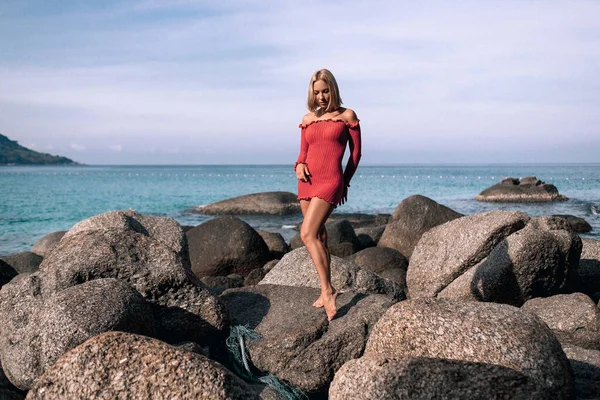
[(322, 95)]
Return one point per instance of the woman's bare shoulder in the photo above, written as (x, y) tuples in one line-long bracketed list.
[(349, 115), (308, 118)]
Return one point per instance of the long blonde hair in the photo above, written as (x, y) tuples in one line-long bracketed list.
[(335, 101)]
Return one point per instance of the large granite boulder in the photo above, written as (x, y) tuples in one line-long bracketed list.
[(578, 224), (297, 269), (7, 273), (527, 190), (226, 245), (529, 263), (414, 216), (488, 333), (384, 261), (275, 242), (24, 262), (269, 203), (44, 246), (448, 251), (341, 238), (147, 253), (574, 318), (64, 320), (588, 273), (586, 371), (369, 236), (378, 377), (121, 365), (298, 345)]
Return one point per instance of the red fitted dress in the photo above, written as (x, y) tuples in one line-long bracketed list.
[(322, 147)]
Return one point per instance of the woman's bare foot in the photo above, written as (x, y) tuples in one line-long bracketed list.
[(319, 302), (329, 304)]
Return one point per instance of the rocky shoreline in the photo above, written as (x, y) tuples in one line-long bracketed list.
[(491, 305)]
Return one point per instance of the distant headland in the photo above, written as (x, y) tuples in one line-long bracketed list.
[(12, 153)]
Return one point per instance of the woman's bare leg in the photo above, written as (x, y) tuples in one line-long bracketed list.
[(323, 239), (315, 215)]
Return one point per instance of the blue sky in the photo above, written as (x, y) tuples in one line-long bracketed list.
[(205, 82)]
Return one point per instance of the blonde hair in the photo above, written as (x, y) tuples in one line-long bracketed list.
[(335, 101)]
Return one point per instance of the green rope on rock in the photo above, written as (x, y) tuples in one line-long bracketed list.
[(239, 335)]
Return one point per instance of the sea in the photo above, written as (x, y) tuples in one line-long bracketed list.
[(37, 200)]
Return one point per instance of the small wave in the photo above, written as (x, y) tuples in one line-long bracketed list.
[(288, 227), (595, 209)]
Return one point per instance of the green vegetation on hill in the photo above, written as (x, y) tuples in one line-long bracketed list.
[(12, 152)]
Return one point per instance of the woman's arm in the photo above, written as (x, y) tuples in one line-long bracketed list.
[(354, 142)]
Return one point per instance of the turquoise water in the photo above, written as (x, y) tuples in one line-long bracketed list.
[(38, 200)]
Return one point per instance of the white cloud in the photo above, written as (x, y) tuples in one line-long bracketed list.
[(77, 147)]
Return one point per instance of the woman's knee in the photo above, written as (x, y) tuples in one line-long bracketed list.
[(307, 236)]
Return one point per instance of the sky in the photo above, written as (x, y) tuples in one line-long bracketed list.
[(225, 82)]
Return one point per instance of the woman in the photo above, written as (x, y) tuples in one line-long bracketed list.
[(322, 185)]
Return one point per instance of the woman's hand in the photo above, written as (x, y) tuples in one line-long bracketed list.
[(344, 195), (302, 172)]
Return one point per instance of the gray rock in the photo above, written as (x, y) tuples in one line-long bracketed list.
[(384, 261), (226, 245), (217, 284), (528, 263), (588, 273), (120, 365), (275, 242), (578, 224), (297, 269), (414, 216), (7, 273), (44, 246), (447, 251), (527, 190), (359, 220), (24, 262), (574, 318), (488, 333), (296, 242), (7, 390), (341, 238), (586, 370), (298, 345), (269, 203), (379, 377), (255, 276), (369, 236), (35, 333)]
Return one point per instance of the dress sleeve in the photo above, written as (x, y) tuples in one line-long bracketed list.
[(303, 147), (354, 143)]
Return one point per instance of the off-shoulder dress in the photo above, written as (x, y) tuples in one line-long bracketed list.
[(322, 146)]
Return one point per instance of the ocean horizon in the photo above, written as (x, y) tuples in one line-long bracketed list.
[(38, 200)]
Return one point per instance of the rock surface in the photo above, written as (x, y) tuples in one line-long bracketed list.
[(579, 225), (120, 365), (586, 371), (359, 220), (298, 345), (7, 390), (384, 261), (269, 203), (44, 246), (341, 238), (369, 236), (447, 251), (7, 273), (381, 378), (414, 216), (574, 318), (275, 242), (488, 333), (24, 262), (527, 190), (588, 273), (226, 245), (297, 269)]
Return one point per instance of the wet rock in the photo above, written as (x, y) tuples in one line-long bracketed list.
[(7, 273), (586, 371), (35, 333), (226, 245), (574, 318), (44, 246), (297, 269), (378, 377), (369, 236), (578, 224), (527, 190), (298, 345), (488, 333), (24, 262), (588, 273), (341, 238), (447, 251), (267, 203), (275, 242), (117, 364), (384, 261), (414, 216)]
